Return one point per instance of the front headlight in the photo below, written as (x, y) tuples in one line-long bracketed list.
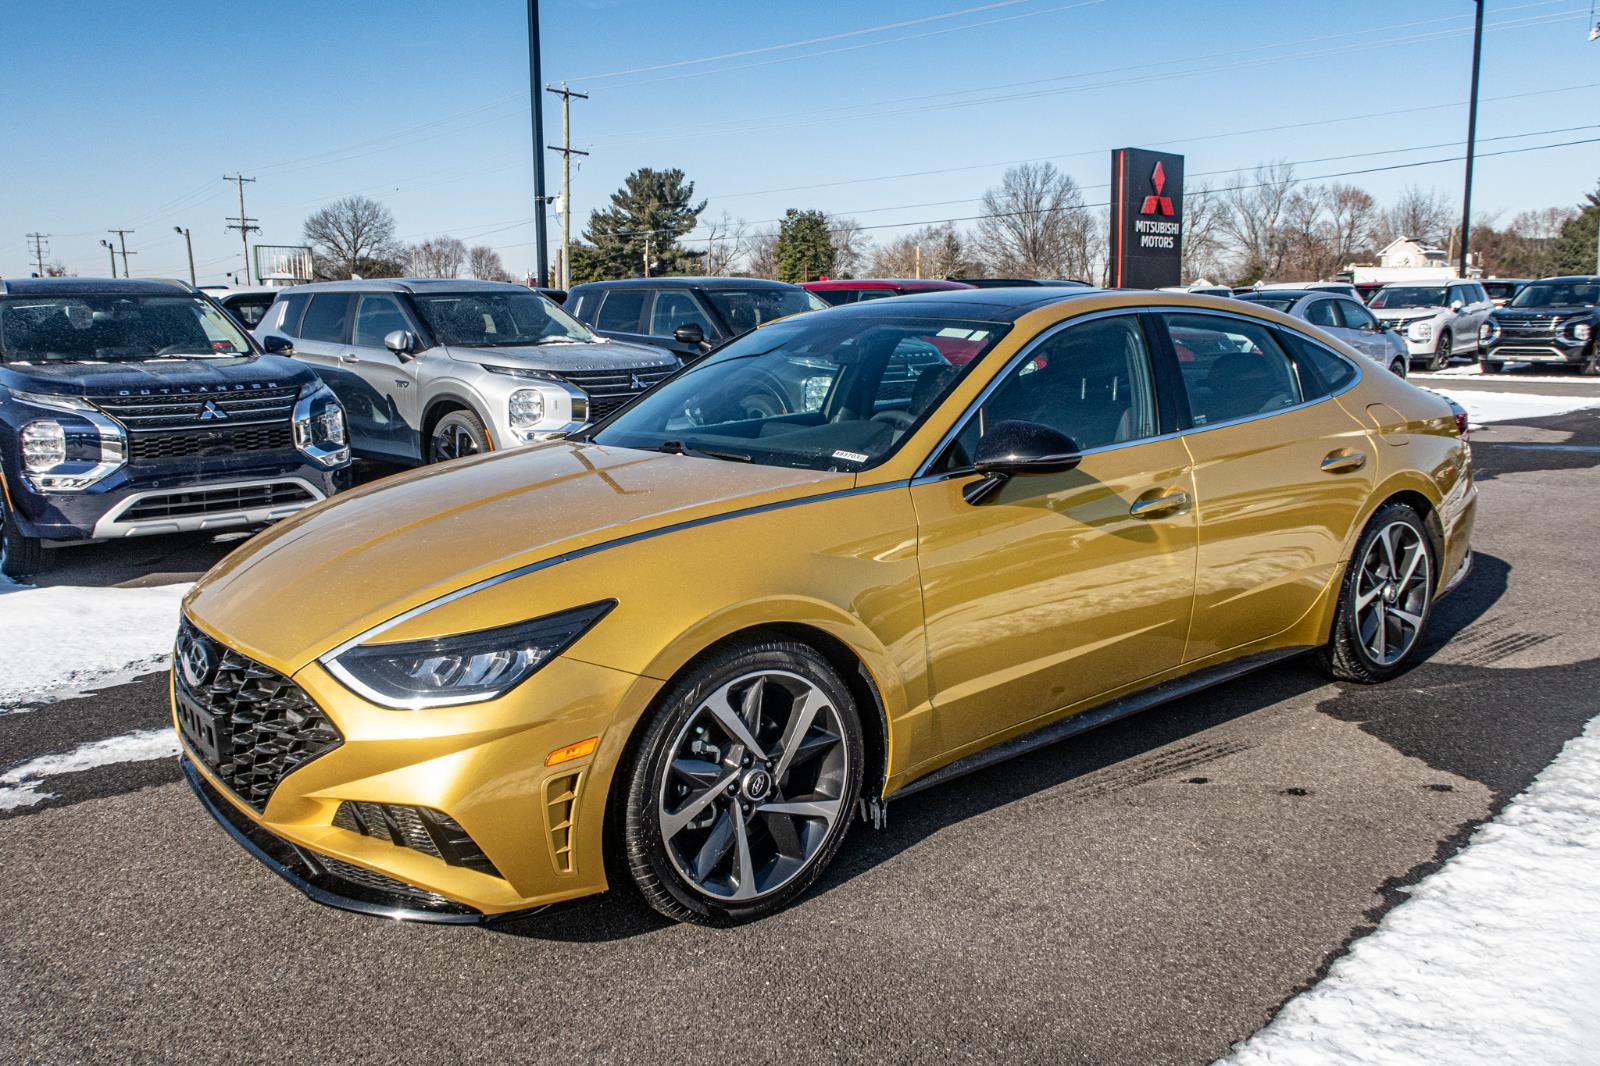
[(1489, 332), (1578, 331), (319, 426), (462, 668), (527, 408), (1420, 331), (44, 445)]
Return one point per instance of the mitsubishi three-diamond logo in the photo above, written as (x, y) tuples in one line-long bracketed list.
[(211, 412), (1158, 204)]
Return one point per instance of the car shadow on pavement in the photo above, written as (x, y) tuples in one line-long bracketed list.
[(1129, 750)]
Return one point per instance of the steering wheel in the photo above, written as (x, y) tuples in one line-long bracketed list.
[(897, 419)]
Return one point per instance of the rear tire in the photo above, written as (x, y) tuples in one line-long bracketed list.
[(21, 556), (716, 831), (1385, 599)]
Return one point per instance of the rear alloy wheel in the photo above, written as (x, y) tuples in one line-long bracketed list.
[(458, 433), (1441, 352), (742, 788), (21, 556), (1385, 599)]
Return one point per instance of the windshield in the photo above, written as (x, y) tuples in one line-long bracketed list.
[(745, 309), (114, 329), (1499, 290), (1558, 294), (1272, 300), (1410, 296), (825, 393), (497, 319)]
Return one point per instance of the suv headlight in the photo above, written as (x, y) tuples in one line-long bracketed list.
[(319, 426), (1578, 331), (1420, 330), (70, 451), (44, 445), (1489, 332), (527, 408), (463, 668)]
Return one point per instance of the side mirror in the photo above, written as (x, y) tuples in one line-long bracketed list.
[(275, 345), (401, 342), (1456, 305), (1015, 448), (690, 334)]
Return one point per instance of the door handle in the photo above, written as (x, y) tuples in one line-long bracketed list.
[(1343, 462), (349, 357), (1159, 505)]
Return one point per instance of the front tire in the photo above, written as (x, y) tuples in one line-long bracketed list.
[(1442, 351), (1400, 367), (455, 434), (743, 785), (1491, 366), (1385, 599), (21, 556)]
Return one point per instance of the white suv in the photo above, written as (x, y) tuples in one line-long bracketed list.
[(1437, 319)]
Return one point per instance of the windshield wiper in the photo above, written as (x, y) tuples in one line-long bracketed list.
[(677, 447)]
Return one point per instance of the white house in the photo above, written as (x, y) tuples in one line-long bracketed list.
[(1406, 252)]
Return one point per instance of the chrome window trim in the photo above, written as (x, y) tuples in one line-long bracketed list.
[(923, 477)]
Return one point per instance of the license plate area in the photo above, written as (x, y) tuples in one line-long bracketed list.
[(201, 729)]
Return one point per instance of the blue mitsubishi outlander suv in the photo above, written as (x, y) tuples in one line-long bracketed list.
[(138, 407)]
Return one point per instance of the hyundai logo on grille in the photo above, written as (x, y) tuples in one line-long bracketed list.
[(210, 411), (195, 660)]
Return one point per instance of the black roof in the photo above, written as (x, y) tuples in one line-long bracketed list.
[(412, 285), (92, 287), (1032, 283), (677, 282), (1287, 294), (987, 305)]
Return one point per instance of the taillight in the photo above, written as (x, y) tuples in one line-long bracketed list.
[(1462, 426)]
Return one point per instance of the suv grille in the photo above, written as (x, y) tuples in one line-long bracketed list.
[(418, 828), (609, 389), (173, 424), (248, 724), (1537, 327), (191, 502)]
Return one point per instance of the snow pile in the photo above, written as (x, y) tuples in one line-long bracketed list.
[(1509, 406), (20, 786), (1495, 959), (64, 638)]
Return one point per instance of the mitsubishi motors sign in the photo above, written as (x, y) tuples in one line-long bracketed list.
[(1146, 218)]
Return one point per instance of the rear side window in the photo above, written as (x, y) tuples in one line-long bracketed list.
[(1320, 313), (620, 310), (285, 314), (1231, 368), (327, 317), (1355, 316), (1322, 372)]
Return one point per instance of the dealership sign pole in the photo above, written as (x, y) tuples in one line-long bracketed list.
[(1146, 219)]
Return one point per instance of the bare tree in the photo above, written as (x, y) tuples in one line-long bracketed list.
[(1353, 218), (944, 252), (851, 245), (1421, 214), (436, 257), (1035, 225), (1255, 204), (353, 236), (484, 263), (762, 261), (1203, 245), (727, 244)]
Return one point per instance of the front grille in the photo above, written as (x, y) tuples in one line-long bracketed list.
[(418, 828), (158, 409), (190, 503), (609, 389), (1541, 327), (363, 878), (152, 447), (248, 724)]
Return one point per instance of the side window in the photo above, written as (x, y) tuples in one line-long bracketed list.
[(378, 316), (326, 317), (1091, 381), (1320, 313), (1231, 368), (1458, 292), (620, 310), (285, 318), (674, 309), (1322, 372), (1479, 293), (1355, 316)]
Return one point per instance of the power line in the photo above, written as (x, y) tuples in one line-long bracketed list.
[(37, 240)]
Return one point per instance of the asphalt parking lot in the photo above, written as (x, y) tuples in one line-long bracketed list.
[(1148, 893)]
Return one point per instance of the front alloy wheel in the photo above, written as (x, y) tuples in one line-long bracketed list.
[(457, 434), (1441, 352), (744, 785)]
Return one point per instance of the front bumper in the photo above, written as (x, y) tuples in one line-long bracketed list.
[(483, 766), (1537, 351)]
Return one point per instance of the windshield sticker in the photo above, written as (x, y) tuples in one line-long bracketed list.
[(223, 346), (853, 457)]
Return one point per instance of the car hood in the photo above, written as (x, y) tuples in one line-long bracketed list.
[(198, 375), (337, 569), (1399, 314), (590, 355), (1543, 311)]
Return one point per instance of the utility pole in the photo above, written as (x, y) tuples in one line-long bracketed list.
[(39, 248), (244, 223), (647, 253), (567, 152), (1472, 139), (189, 243), (122, 241), (108, 246), (542, 254), (919, 262)]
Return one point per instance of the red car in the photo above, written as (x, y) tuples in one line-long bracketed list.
[(959, 350)]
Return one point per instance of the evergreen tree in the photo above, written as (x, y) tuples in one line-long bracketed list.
[(805, 248), (1575, 248), (647, 216)]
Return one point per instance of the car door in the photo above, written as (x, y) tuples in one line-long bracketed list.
[(1320, 312), (322, 341), (1363, 331), (1479, 308), (1061, 587), (1281, 472), (388, 410)]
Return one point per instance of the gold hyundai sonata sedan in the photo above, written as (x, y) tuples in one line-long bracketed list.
[(846, 556)]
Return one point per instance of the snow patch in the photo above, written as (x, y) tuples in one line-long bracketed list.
[(21, 785), (1494, 959), (1510, 406), (69, 637)]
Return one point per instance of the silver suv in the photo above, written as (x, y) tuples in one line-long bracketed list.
[(1437, 319), (432, 369)]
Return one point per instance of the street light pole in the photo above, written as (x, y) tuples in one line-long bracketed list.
[(190, 245), (1472, 138), (542, 253)]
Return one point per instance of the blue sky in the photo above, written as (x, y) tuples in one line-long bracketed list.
[(129, 114)]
